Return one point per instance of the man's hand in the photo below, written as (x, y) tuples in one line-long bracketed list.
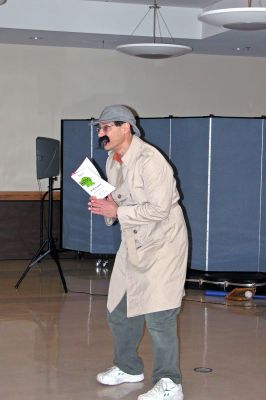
[(106, 207)]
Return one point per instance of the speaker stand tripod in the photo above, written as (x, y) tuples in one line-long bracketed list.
[(48, 244)]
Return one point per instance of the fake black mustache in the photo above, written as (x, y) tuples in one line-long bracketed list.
[(103, 140)]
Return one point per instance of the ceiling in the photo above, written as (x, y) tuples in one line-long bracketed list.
[(171, 3), (106, 24)]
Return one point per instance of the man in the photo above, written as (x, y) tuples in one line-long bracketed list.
[(147, 282)]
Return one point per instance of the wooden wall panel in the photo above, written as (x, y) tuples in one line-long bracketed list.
[(20, 224)]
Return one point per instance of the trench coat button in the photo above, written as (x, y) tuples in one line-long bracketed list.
[(119, 196), (135, 231)]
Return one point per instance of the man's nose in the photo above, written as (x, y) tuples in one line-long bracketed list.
[(101, 132)]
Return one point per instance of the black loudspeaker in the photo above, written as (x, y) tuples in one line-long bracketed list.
[(47, 157)]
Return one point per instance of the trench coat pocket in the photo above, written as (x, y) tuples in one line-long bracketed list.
[(140, 234), (129, 236), (145, 234)]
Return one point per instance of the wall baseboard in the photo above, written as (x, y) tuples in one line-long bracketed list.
[(26, 195)]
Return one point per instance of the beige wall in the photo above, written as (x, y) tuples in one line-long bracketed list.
[(39, 86)]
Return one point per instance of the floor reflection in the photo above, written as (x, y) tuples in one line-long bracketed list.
[(53, 344)]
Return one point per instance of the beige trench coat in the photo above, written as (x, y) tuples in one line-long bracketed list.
[(151, 262)]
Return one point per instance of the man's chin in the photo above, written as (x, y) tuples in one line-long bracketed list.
[(107, 146)]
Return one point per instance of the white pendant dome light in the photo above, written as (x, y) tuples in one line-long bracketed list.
[(241, 18), (154, 50)]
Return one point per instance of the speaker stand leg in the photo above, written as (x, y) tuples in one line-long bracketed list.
[(51, 249), (39, 256)]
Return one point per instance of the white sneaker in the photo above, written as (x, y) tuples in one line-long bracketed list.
[(114, 376), (165, 389)]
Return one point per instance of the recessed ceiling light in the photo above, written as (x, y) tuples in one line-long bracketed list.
[(35, 38), (246, 48)]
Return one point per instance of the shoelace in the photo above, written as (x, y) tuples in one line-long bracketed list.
[(115, 370), (158, 388)]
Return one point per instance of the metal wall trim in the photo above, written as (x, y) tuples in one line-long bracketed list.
[(208, 195)]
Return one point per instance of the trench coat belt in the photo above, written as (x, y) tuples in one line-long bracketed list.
[(129, 236)]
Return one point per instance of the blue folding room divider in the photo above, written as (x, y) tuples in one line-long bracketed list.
[(220, 166)]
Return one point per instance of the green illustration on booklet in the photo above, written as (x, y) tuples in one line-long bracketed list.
[(86, 181)]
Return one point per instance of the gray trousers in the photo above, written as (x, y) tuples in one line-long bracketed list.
[(128, 332)]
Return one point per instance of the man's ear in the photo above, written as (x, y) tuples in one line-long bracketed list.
[(126, 126)]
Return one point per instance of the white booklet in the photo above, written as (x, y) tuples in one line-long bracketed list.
[(90, 180)]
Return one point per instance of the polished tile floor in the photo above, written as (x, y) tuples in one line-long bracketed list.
[(52, 344)]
